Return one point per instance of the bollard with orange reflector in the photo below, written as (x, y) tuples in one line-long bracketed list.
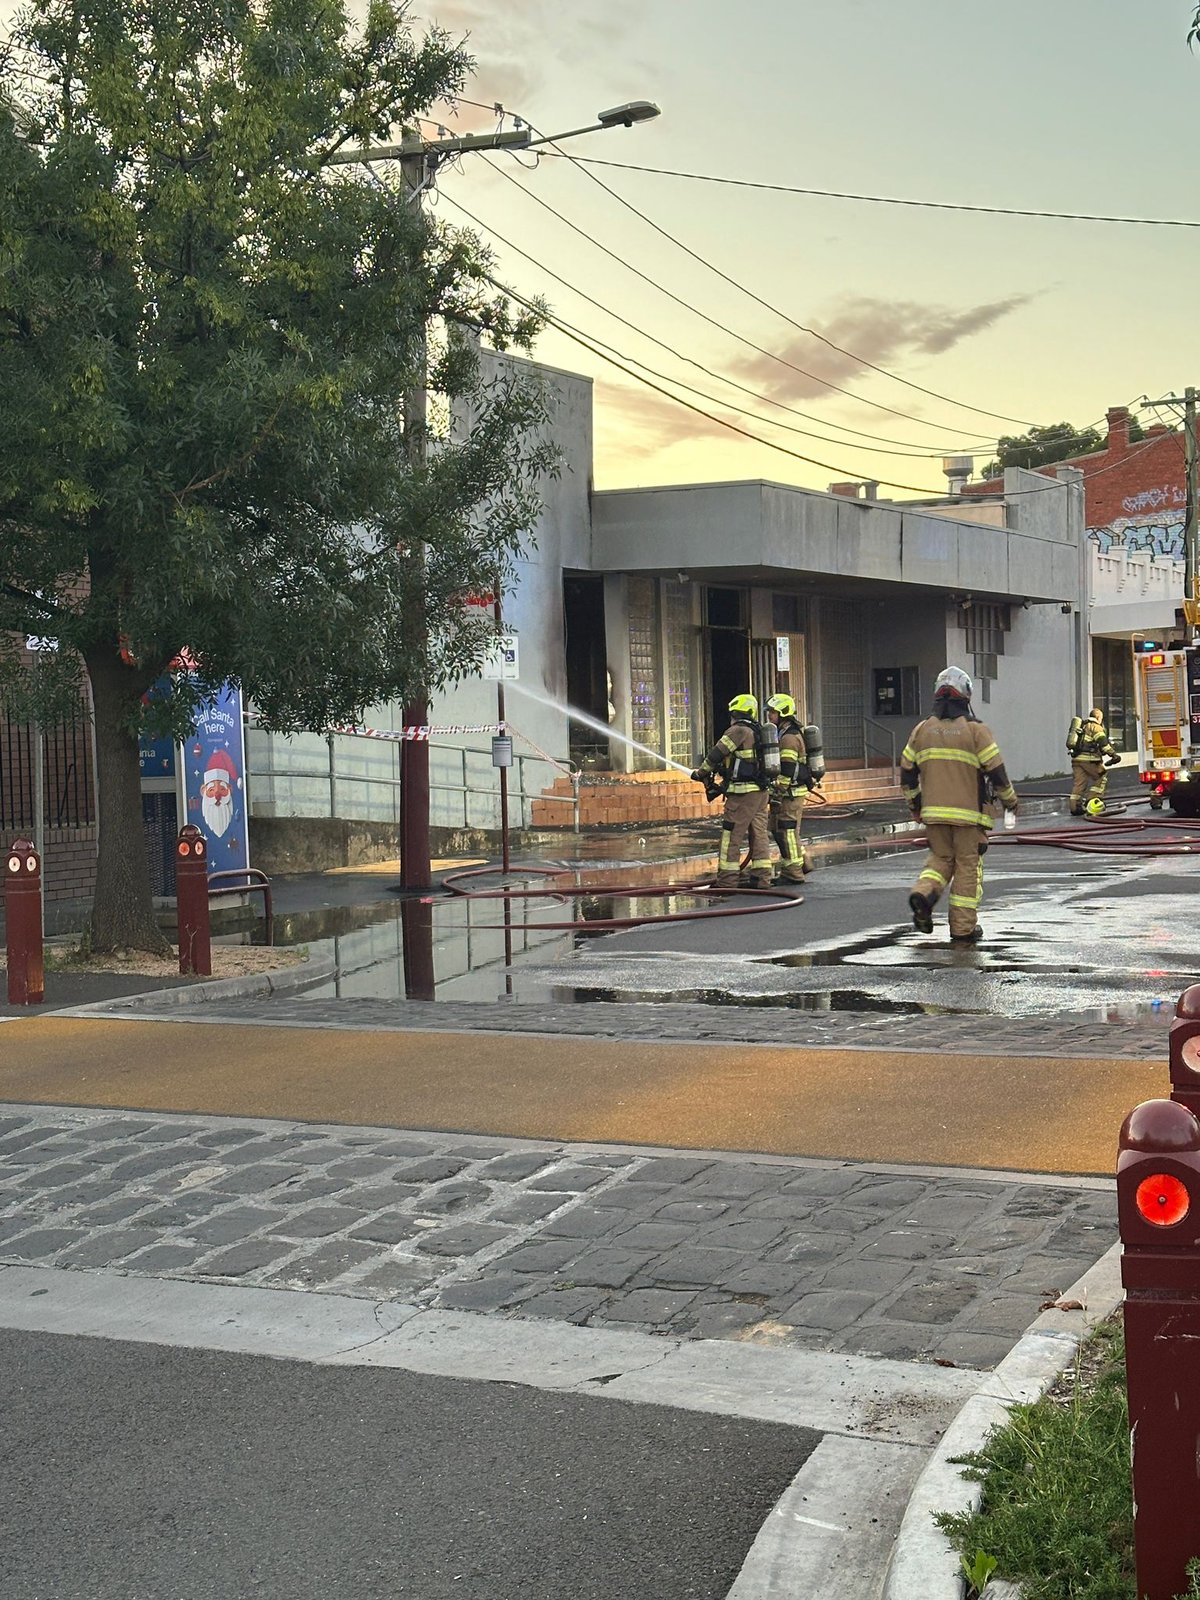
[(191, 900), (1184, 1050), (1158, 1211), (23, 925)]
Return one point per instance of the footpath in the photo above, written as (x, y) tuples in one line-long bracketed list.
[(560, 1197)]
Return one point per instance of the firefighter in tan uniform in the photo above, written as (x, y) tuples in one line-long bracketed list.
[(788, 791), (1091, 754), (942, 771), (736, 758)]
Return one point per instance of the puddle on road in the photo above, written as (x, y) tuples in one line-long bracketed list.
[(819, 1000), (1046, 953)]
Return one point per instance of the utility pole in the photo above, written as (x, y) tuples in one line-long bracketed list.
[(1191, 598), (1191, 567), (416, 872), (419, 162)]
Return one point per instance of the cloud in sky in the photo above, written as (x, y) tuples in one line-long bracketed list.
[(639, 423), (520, 45), (885, 332)]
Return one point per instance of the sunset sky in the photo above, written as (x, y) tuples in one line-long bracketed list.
[(1079, 105)]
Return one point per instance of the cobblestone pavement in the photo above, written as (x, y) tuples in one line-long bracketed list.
[(1138, 1038), (951, 1266)]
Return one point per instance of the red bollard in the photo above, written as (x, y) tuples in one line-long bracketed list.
[(191, 902), (1158, 1211), (1184, 1050), (23, 921)]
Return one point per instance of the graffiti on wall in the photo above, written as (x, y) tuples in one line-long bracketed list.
[(1161, 536), (1167, 494)]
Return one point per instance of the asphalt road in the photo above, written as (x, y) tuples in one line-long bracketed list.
[(139, 1472)]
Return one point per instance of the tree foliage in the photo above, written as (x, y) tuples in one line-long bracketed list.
[(207, 334), (1040, 447)]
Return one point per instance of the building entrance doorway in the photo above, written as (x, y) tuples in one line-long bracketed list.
[(726, 656), (587, 666)]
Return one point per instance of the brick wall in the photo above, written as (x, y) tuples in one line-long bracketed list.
[(1123, 480), (69, 865)]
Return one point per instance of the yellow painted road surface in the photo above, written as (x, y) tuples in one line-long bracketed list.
[(1027, 1113)]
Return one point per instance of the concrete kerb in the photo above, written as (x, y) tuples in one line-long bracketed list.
[(924, 1566), (254, 985)]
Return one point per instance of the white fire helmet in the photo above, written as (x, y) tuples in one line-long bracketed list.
[(953, 681)]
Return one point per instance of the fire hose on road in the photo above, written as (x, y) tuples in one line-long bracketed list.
[(765, 899)]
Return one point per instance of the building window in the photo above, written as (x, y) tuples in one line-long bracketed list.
[(681, 673), (646, 706), (985, 627), (787, 613), (1112, 690)]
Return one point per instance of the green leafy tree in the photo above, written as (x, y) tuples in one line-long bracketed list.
[(207, 333), (1059, 441)]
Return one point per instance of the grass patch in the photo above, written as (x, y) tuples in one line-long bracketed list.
[(1057, 1511), (1057, 1508)]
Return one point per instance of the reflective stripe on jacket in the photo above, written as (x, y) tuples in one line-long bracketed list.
[(947, 757), (1093, 743), (735, 754), (793, 757)]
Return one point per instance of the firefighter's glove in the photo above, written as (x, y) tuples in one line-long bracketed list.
[(701, 777), (1113, 760)]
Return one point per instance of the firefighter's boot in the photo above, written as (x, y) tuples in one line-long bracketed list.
[(973, 937), (922, 912)]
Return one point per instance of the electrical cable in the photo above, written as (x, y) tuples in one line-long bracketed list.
[(775, 310), (891, 483), (814, 377), (858, 433), (890, 200), (566, 327)]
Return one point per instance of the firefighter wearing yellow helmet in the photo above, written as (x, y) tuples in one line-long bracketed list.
[(1091, 753), (789, 789), (746, 759)]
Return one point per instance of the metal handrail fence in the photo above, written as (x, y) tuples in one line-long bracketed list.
[(333, 782), (870, 738)]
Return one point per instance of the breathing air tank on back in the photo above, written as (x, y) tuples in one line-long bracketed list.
[(815, 748), (1073, 733), (768, 749)]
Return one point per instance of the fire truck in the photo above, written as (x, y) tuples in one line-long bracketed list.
[(1166, 686)]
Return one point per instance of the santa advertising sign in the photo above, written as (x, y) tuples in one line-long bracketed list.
[(215, 780)]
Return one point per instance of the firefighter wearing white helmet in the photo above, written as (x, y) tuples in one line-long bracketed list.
[(789, 789), (742, 758), (950, 766)]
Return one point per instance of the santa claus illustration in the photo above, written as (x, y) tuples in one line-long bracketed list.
[(216, 793)]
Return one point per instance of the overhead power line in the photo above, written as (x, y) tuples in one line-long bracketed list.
[(887, 200), (759, 349), (801, 327), (873, 438), (733, 427)]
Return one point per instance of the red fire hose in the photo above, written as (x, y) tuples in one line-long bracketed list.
[(768, 899)]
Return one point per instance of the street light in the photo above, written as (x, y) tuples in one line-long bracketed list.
[(419, 160)]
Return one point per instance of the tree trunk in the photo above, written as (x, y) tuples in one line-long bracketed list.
[(123, 911)]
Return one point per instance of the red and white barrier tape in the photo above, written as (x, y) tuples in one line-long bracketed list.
[(423, 731)]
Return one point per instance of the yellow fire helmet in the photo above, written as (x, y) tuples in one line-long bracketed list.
[(783, 703), (744, 705)]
